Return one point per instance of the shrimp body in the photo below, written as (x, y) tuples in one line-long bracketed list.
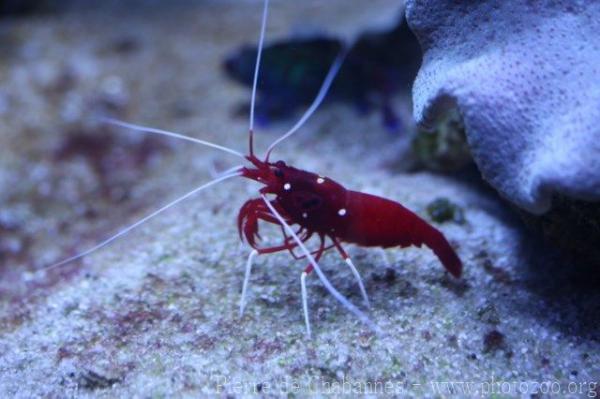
[(322, 206)]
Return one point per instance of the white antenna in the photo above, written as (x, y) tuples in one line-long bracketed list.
[(261, 41), (139, 222), (333, 70), (146, 129)]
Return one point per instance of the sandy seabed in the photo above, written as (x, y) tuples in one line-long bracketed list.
[(155, 314)]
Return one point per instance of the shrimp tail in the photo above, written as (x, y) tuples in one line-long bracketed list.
[(435, 240)]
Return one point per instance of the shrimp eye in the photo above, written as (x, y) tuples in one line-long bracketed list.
[(278, 173)]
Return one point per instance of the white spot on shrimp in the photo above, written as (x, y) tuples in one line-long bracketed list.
[(305, 215), (287, 186), (342, 212), (320, 180)]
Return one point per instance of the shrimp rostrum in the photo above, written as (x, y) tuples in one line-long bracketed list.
[(315, 205)]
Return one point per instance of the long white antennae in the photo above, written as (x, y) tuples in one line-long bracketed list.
[(261, 41), (333, 70), (139, 222), (336, 294), (229, 171), (147, 129)]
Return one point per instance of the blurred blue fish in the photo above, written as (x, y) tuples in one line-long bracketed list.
[(378, 66)]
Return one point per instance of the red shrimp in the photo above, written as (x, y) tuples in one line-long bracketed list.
[(324, 207), (318, 205)]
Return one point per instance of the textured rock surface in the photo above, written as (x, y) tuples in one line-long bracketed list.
[(524, 75), (155, 315)]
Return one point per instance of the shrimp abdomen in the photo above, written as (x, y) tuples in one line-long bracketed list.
[(370, 221)]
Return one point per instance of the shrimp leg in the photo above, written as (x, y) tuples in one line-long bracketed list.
[(286, 245), (349, 262), (305, 273)]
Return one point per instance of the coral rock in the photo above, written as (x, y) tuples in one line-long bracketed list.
[(524, 76)]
